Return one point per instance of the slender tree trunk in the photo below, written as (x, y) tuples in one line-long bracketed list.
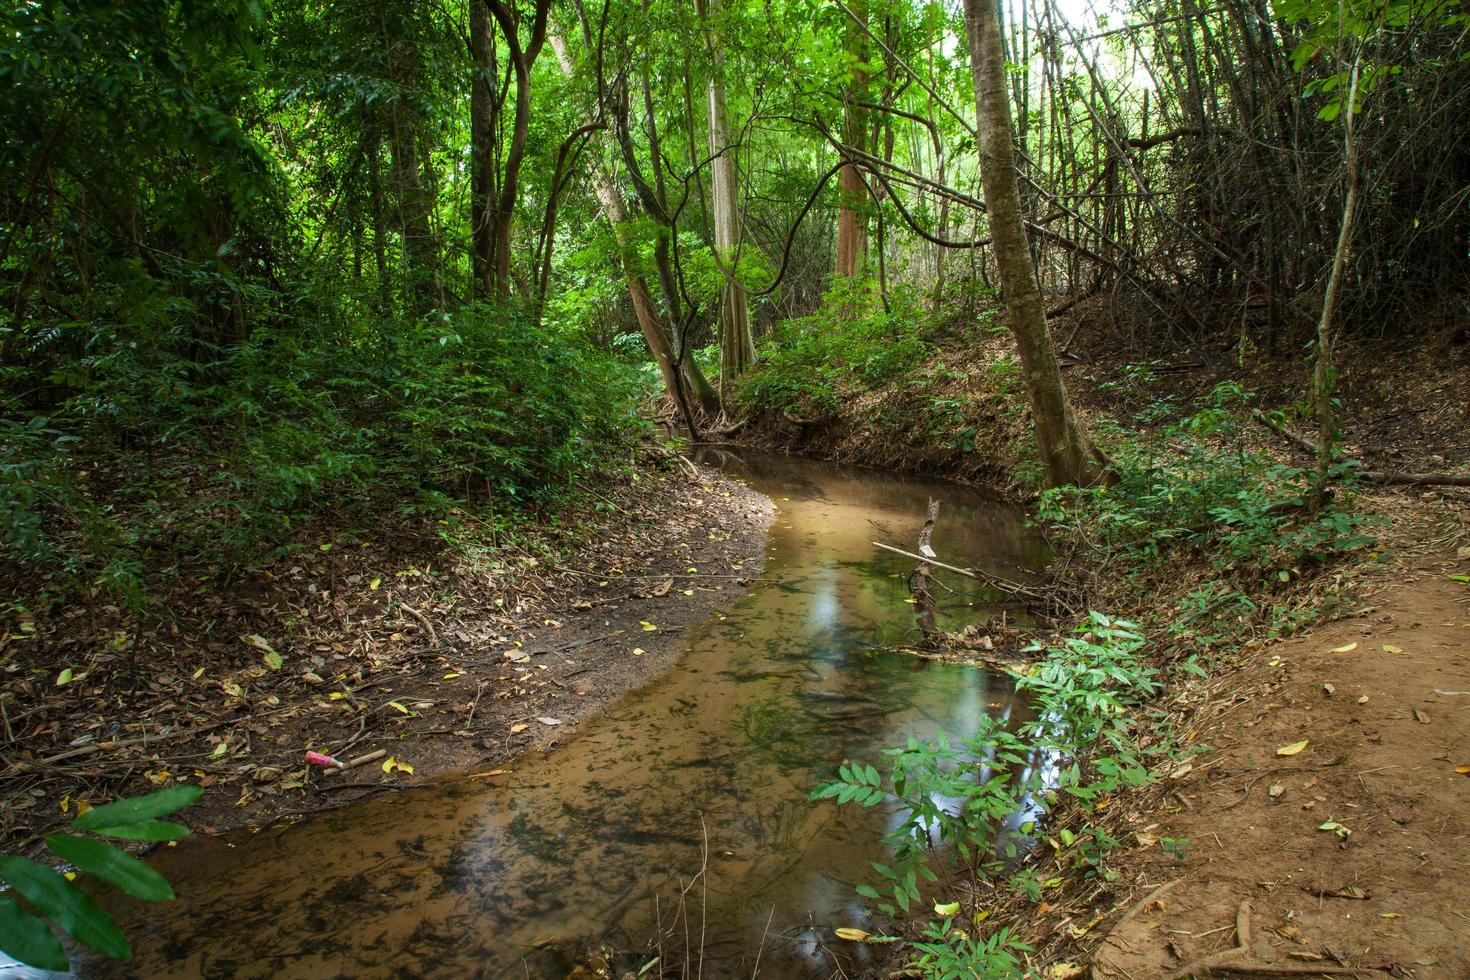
[(419, 258), (1067, 454), (1322, 373), (611, 199), (737, 345), (522, 59), (852, 195), (482, 133), (380, 250)]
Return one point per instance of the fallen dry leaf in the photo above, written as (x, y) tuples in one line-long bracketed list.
[(1293, 748), (1346, 648)]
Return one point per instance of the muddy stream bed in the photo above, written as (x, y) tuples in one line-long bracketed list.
[(601, 842)]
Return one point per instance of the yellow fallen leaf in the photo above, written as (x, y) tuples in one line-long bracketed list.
[(398, 707), (1390, 648), (1346, 648), (375, 583), (946, 908), (639, 651), (405, 767), (1065, 971), (1462, 770), (1389, 915), (519, 727), (389, 763), (647, 626), (451, 675), (1293, 748), (852, 935), (337, 696)]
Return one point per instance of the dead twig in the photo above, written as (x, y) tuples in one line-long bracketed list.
[(1137, 908), (422, 621)]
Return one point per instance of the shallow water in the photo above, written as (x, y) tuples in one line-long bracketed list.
[(602, 841)]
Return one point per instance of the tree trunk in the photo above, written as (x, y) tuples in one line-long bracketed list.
[(1067, 454), (852, 224), (482, 133), (611, 199), (522, 58), (419, 256), (1322, 373), (737, 346)]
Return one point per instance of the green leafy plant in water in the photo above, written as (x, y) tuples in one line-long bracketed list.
[(48, 900), (954, 801)]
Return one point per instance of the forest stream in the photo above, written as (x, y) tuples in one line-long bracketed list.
[(519, 871)]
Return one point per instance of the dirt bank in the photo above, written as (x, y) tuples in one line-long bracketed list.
[(441, 653), (1349, 851)]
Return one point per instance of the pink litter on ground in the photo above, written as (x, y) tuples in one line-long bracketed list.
[(317, 759)]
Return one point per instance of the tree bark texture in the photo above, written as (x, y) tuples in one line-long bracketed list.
[(1067, 454)]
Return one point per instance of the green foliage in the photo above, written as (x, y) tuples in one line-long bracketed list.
[(51, 901), (810, 364), (954, 802), (946, 953), (1325, 25), (481, 404), (1193, 483)]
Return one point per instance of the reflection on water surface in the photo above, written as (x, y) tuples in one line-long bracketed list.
[(707, 766)]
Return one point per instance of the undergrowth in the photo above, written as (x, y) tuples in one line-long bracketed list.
[(1193, 483), (810, 365), (132, 462)]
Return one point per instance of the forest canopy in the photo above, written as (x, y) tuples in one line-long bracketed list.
[(267, 254)]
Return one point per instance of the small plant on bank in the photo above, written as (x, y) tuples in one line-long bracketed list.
[(1195, 484), (975, 803), (1176, 847)]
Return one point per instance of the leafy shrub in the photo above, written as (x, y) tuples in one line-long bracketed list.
[(1194, 482), (224, 457), (956, 802), (808, 365)]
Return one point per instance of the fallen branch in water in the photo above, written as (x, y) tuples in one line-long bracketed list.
[(1004, 584), (923, 598)]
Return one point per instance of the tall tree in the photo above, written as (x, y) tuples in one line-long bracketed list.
[(644, 310), (483, 70), (852, 194), (737, 345), (1067, 452), (522, 54), (422, 283)]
